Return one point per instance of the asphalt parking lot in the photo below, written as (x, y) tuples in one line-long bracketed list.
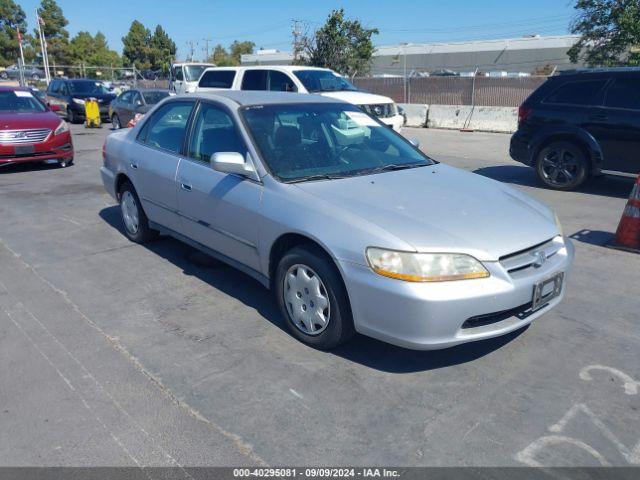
[(113, 353)]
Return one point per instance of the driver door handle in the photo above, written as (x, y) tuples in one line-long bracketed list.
[(185, 186), (134, 165)]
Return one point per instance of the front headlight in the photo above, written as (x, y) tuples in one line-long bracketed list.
[(61, 128), (79, 101), (558, 224), (424, 267)]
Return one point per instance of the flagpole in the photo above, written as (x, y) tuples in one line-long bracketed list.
[(20, 43), (43, 46)]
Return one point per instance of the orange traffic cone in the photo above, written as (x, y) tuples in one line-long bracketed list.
[(628, 233)]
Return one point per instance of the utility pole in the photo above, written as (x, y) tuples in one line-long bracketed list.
[(405, 70), (191, 48), (296, 32), (206, 48)]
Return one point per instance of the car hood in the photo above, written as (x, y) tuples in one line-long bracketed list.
[(442, 209), (357, 98), (19, 121)]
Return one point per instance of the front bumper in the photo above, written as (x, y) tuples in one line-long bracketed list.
[(58, 147), (430, 316), (394, 122)]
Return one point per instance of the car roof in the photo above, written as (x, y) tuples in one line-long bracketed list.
[(287, 68), (260, 97), (599, 71)]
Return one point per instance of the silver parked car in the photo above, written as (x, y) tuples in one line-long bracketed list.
[(351, 226)]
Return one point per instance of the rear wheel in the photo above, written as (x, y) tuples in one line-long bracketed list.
[(35, 77), (562, 166), (136, 223), (312, 298)]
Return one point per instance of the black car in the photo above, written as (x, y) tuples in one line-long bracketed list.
[(581, 124), (67, 96), (131, 102)]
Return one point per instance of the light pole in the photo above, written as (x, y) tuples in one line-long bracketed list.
[(404, 68)]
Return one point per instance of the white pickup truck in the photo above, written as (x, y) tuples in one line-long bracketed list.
[(293, 78)]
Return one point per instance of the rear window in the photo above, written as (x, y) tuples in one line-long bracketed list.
[(217, 79), (579, 92), (624, 93)]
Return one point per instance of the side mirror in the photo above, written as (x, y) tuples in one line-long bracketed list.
[(232, 162), (415, 142)]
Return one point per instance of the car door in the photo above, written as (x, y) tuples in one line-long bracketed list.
[(178, 83), (616, 125), (124, 107), (154, 160), (281, 82), (219, 210)]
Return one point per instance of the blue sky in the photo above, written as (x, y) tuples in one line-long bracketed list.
[(268, 22)]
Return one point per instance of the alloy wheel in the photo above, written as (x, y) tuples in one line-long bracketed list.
[(560, 167)]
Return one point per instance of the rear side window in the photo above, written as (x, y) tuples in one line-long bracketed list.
[(577, 93), (255, 80), (624, 93), (217, 79), (166, 127)]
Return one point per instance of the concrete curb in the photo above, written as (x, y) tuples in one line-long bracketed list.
[(457, 117), (415, 114)]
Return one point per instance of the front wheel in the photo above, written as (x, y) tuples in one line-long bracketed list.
[(35, 77), (72, 116), (562, 166), (312, 298), (115, 122), (136, 223), (66, 162)]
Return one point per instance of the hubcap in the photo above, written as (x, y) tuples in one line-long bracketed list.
[(560, 167), (306, 299), (129, 209)]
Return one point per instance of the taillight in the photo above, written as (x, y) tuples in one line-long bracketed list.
[(524, 113)]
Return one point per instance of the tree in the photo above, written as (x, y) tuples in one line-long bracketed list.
[(57, 37), (162, 50), (340, 44), (137, 46), (220, 56), (609, 32), (11, 17), (237, 49), (87, 50)]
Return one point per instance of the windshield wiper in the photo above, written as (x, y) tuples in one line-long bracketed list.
[(394, 166), (311, 178)]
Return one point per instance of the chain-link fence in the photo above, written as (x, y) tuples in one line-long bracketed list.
[(481, 91)]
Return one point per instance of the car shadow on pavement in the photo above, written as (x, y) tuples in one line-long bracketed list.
[(526, 176), (361, 349), (26, 167)]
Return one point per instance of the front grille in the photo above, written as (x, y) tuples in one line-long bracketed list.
[(26, 155), (381, 110), (530, 257), (22, 137)]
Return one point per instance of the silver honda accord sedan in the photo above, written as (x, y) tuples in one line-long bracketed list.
[(352, 226)]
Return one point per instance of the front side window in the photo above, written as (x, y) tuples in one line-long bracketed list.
[(126, 97), (300, 142), (20, 101), (152, 97), (179, 74), (214, 131), (279, 82), (323, 81), (577, 93), (217, 79), (255, 80), (624, 93), (167, 126)]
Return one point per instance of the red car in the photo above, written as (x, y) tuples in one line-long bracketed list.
[(30, 131)]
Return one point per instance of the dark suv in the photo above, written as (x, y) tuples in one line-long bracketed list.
[(67, 97), (579, 125)]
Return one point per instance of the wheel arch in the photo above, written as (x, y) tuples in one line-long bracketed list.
[(121, 179), (581, 139)]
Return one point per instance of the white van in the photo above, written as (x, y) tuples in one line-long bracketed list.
[(292, 78), (183, 77)]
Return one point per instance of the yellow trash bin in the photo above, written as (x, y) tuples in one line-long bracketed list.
[(92, 113)]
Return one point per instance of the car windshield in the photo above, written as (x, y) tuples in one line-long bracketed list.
[(20, 101), (151, 98), (192, 72), (323, 81), (87, 88), (314, 141)]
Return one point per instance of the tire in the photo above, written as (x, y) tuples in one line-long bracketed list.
[(4, 76), (35, 77), (65, 163), (115, 122), (72, 117), (562, 166), (134, 220), (304, 263)]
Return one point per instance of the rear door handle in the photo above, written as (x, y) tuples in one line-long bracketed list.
[(185, 186)]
